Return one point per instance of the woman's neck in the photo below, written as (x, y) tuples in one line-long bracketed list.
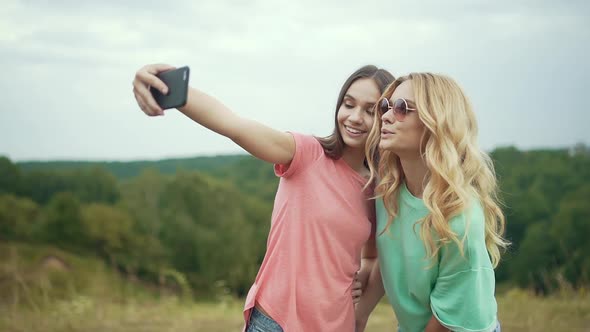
[(415, 171), (355, 158)]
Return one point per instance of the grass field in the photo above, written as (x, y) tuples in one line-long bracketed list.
[(87, 296), (519, 311)]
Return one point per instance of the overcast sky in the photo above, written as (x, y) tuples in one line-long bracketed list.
[(67, 68)]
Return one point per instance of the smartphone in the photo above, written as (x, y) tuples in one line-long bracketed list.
[(177, 82)]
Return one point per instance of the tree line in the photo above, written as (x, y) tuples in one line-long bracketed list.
[(201, 223)]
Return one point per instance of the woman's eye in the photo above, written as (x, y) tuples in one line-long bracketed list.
[(348, 105)]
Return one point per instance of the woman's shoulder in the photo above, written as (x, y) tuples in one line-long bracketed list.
[(470, 222), (307, 142)]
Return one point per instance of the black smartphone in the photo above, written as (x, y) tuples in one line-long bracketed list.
[(177, 82)]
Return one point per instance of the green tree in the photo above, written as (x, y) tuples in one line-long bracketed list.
[(94, 185), (108, 231), (571, 226), (536, 261), (62, 222), (18, 218), (140, 196), (88, 185), (10, 177), (210, 229)]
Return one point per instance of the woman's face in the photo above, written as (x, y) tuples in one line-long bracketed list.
[(355, 115), (401, 133)]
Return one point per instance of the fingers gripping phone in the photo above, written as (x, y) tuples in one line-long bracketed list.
[(177, 82)]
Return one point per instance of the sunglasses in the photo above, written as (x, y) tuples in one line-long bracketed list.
[(400, 108)]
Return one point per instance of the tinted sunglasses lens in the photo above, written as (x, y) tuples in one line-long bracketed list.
[(383, 106), (400, 107)]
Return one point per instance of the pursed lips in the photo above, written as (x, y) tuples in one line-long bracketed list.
[(386, 132)]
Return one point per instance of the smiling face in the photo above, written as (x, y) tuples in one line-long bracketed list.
[(355, 115), (402, 137)]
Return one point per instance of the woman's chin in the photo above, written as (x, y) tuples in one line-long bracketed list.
[(355, 143), (386, 145)]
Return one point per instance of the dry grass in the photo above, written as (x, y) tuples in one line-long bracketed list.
[(85, 314), (519, 311), (91, 298)]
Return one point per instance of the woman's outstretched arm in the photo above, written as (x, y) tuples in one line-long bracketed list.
[(259, 140)]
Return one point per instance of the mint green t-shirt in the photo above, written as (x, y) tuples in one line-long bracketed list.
[(458, 290)]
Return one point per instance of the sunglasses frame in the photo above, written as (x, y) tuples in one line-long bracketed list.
[(398, 115)]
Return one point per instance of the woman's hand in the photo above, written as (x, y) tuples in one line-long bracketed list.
[(145, 78), (357, 289)]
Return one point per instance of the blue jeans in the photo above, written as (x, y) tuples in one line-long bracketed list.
[(259, 322)]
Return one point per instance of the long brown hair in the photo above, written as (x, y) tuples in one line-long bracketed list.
[(334, 144)]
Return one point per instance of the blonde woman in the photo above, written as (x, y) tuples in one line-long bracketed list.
[(439, 225)]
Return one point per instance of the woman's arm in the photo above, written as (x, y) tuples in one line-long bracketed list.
[(368, 259), (435, 326), (259, 140), (369, 251), (373, 293)]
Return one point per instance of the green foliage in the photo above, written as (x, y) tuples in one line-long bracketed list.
[(200, 225), (570, 229), (127, 170), (18, 217), (10, 177), (546, 196), (140, 197), (62, 222), (536, 260), (210, 228), (206, 228), (252, 176), (88, 185), (108, 231)]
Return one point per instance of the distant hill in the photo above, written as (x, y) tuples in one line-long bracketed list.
[(129, 169), (250, 175)]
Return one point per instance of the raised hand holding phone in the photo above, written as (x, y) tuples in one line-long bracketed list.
[(159, 86), (177, 82), (263, 142)]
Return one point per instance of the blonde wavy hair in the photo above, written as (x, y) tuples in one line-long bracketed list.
[(458, 171)]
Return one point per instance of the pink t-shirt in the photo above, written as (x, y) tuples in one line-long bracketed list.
[(321, 219)]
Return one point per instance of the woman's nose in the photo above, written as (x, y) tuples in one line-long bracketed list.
[(356, 115), (387, 117)]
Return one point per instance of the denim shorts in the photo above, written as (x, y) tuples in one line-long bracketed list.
[(260, 322)]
